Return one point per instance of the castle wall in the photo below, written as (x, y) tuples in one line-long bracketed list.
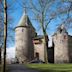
[(61, 48), (39, 48), (24, 45)]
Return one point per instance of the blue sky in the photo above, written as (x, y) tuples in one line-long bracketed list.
[(18, 11)]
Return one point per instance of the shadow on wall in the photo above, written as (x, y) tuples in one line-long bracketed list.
[(51, 54), (70, 48), (0, 55)]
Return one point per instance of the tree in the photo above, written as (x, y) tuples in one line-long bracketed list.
[(41, 14), (1, 30), (1, 24), (68, 12), (5, 34), (6, 21), (10, 20), (65, 13)]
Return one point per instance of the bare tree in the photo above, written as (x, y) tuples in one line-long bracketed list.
[(68, 21), (1, 23), (5, 22), (5, 34), (43, 18), (65, 12)]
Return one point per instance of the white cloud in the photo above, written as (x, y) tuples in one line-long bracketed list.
[(11, 52)]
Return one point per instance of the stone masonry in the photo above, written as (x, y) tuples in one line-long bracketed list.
[(23, 38), (62, 44)]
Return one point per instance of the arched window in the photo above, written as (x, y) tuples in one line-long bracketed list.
[(37, 55)]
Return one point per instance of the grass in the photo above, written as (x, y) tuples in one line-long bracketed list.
[(51, 67), (0, 68)]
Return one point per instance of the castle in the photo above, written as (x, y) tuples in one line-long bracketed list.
[(29, 45)]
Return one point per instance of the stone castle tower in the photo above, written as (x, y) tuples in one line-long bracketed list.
[(60, 39), (23, 40)]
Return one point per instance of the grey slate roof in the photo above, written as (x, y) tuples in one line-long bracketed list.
[(25, 21), (39, 37)]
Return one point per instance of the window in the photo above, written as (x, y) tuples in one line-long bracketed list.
[(60, 30), (64, 36), (37, 55)]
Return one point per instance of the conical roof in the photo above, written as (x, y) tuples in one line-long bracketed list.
[(25, 21)]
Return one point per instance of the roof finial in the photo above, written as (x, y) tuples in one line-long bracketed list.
[(25, 10), (62, 26)]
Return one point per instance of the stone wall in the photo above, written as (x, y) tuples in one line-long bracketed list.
[(61, 48), (39, 48)]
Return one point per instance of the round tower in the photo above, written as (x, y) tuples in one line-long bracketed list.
[(23, 40), (60, 39)]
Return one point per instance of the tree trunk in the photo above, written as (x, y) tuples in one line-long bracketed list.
[(45, 48), (0, 55), (5, 35), (45, 41)]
